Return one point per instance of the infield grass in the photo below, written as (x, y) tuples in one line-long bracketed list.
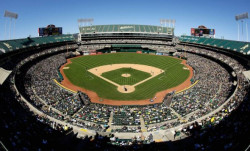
[(174, 74), (135, 76)]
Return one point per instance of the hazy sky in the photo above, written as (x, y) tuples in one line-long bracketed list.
[(217, 14)]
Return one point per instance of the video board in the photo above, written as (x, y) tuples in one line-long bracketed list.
[(202, 32), (47, 31)]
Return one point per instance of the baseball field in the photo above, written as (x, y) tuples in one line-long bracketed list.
[(126, 76)]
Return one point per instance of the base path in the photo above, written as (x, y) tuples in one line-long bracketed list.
[(98, 71), (96, 99)]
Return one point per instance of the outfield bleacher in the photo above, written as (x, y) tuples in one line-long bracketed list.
[(238, 46), (127, 29), (16, 44)]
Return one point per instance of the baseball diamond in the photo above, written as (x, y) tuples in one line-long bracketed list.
[(149, 74)]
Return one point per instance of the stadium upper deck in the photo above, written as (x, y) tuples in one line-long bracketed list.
[(16, 44), (126, 31), (237, 46), (127, 28)]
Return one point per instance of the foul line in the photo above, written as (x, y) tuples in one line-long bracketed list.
[(63, 86), (119, 66), (161, 77), (188, 87), (90, 77)]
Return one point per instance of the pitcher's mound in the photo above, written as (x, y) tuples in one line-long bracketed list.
[(126, 75)]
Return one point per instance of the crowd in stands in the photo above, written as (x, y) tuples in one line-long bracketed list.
[(20, 129), (212, 89), (40, 80), (96, 113), (228, 128), (159, 45), (157, 113), (126, 116), (127, 129), (235, 64)]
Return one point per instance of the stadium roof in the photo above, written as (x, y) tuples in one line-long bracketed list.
[(4, 75), (126, 28)]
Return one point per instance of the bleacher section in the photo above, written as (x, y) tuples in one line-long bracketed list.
[(12, 45), (238, 46), (126, 29)]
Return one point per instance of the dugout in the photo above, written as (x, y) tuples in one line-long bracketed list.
[(126, 48)]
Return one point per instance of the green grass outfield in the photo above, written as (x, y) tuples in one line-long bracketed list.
[(174, 75)]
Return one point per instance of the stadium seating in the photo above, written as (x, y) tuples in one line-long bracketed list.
[(126, 28), (12, 45), (238, 46)]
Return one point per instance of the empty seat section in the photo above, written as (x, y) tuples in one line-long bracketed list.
[(105, 29), (110, 28), (142, 28), (137, 28), (147, 28)]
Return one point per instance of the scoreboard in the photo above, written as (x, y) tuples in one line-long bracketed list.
[(50, 30), (202, 32)]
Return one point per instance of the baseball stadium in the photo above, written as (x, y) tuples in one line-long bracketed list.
[(124, 87)]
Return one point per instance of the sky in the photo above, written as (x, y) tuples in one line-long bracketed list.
[(215, 14)]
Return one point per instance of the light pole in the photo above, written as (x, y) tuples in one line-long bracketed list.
[(241, 18), (85, 22), (10, 15)]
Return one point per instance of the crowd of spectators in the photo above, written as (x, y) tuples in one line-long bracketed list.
[(39, 79), (127, 129), (20, 129), (213, 87), (96, 113), (157, 113), (126, 115), (228, 128)]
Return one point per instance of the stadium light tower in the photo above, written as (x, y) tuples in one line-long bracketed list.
[(10, 15), (167, 22), (85, 22), (174, 21), (241, 18), (161, 21)]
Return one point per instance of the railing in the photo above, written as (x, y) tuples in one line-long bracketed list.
[(2, 146)]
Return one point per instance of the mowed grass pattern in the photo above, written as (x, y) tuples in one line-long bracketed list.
[(135, 76), (174, 75)]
